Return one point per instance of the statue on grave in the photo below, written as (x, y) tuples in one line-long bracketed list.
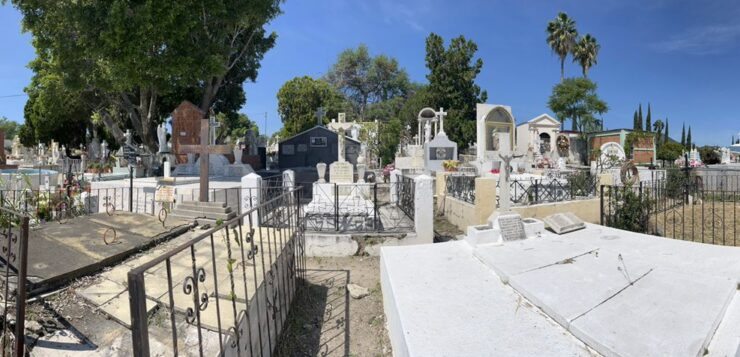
[(128, 138), (103, 151), (238, 153), (162, 138), (355, 132), (54, 152), (17, 148), (340, 145), (427, 132), (495, 140)]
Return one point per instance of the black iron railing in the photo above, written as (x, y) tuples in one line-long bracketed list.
[(13, 270), (235, 281), (559, 188), (361, 207), (461, 187), (681, 210)]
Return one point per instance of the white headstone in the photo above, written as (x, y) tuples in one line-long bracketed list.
[(341, 172)]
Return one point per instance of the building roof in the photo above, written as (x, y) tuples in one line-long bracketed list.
[(319, 127)]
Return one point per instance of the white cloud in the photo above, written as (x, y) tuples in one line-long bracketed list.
[(706, 40)]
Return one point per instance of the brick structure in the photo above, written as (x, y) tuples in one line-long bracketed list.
[(185, 128), (643, 150)]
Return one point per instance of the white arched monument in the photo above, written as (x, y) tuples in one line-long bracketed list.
[(495, 131)]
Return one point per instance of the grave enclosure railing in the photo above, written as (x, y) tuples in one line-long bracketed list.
[(45, 205), (13, 264), (684, 210), (553, 188), (361, 207), (461, 186), (233, 283)]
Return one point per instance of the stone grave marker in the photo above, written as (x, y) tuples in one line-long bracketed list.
[(564, 222), (341, 172), (512, 227)]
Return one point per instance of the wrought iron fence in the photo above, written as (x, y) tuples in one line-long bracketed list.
[(406, 192), (684, 210), (361, 207), (13, 267), (232, 285), (563, 187), (461, 187), (61, 204)]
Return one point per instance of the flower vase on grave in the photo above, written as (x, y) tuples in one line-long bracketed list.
[(321, 170)]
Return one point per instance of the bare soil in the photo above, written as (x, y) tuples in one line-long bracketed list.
[(710, 222), (325, 321)]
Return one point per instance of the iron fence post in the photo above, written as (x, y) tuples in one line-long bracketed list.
[(130, 188), (336, 207), (375, 205), (137, 304), (20, 301), (601, 204)]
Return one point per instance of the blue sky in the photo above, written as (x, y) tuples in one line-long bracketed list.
[(681, 56)]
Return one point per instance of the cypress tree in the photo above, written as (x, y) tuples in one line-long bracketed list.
[(648, 121), (634, 121), (639, 118), (688, 138), (683, 135), (666, 137)]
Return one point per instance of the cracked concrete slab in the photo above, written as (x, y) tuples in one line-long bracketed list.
[(664, 314), (565, 291)]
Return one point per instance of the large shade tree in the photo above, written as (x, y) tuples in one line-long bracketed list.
[(575, 99), (561, 37), (301, 97), (366, 80), (452, 73), (140, 57)]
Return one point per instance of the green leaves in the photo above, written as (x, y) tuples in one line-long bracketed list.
[(452, 74), (576, 99), (300, 97)]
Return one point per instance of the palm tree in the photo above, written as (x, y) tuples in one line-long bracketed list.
[(561, 37), (585, 52)]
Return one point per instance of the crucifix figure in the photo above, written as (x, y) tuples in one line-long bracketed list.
[(204, 149), (505, 194)]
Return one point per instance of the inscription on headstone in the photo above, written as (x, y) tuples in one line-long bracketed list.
[(512, 227), (165, 194), (341, 172), (442, 153)]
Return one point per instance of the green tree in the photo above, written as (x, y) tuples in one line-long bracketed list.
[(683, 135), (666, 137), (639, 118), (365, 80), (688, 139), (575, 99), (234, 126), (635, 122), (586, 52), (300, 98), (658, 127), (648, 121), (134, 54), (710, 155), (561, 37), (452, 73), (669, 151), (9, 127)]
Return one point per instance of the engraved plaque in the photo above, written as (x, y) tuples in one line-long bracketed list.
[(288, 149), (302, 148), (341, 172), (512, 227)]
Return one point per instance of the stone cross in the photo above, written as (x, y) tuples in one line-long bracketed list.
[(213, 125), (441, 114), (204, 150)]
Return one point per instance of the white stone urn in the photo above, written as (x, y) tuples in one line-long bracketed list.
[(321, 169)]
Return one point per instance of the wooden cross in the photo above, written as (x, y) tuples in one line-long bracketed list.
[(204, 150)]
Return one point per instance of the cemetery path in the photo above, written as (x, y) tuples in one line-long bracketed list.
[(325, 321)]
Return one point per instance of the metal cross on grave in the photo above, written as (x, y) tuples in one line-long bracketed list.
[(204, 149)]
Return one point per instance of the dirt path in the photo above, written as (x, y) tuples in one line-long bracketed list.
[(325, 321)]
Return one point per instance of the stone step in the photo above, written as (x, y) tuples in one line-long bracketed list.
[(189, 215), (187, 206)]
